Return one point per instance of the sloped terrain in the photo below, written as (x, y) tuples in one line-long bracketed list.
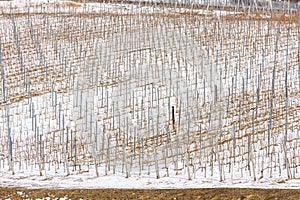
[(175, 93)]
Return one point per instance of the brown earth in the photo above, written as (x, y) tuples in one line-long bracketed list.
[(210, 193)]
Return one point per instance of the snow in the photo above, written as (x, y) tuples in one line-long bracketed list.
[(89, 181), (139, 80)]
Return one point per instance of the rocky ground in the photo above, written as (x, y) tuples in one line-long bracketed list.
[(212, 193)]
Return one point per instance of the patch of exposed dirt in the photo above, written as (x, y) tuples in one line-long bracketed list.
[(211, 193)]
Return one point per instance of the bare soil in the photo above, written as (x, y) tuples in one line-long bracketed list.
[(210, 193)]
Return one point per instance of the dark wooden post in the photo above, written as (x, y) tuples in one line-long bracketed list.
[(173, 115)]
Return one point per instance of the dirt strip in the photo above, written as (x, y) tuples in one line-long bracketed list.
[(210, 193)]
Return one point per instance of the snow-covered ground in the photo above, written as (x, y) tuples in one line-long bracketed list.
[(89, 181), (130, 96)]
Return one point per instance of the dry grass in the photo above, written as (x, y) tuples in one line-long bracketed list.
[(72, 4), (178, 194)]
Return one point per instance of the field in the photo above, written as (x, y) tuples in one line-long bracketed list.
[(117, 95), (209, 193)]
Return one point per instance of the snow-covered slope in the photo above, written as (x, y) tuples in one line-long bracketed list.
[(124, 95)]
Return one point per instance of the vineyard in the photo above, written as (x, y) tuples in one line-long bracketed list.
[(207, 93)]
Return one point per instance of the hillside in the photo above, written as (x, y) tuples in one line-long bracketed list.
[(117, 95)]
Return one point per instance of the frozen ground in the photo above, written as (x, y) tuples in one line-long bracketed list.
[(87, 94), (87, 180)]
